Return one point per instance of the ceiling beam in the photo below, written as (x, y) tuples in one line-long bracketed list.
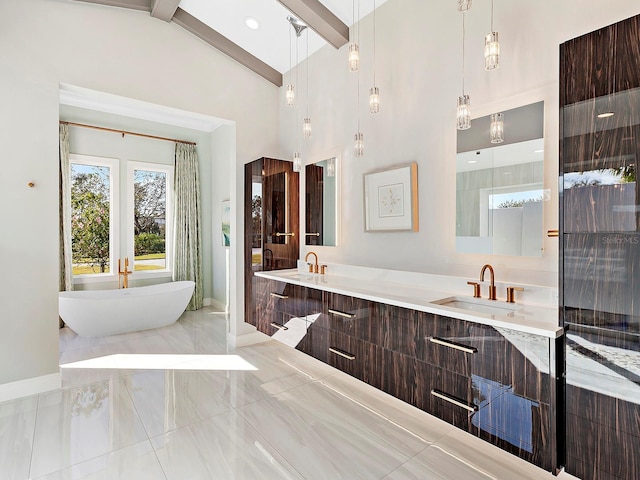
[(164, 9), (200, 30), (226, 46), (320, 19), (144, 5)]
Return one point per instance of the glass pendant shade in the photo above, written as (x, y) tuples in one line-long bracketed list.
[(354, 57), (331, 167), (491, 51), (464, 5), (297, 162), (306, 128), (374, 100), (290, 95), (463, 113), (358, 145), (497, 128)]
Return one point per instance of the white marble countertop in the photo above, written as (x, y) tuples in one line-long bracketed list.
[(530, 318)]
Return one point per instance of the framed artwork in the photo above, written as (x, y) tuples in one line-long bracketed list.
[(226, 223), (391, 199)]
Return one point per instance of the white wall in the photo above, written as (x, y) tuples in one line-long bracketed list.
[(113, 50), (419, 50)]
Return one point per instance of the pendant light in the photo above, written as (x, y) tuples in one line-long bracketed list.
[(491, 47), (463, 111), (497, 128), (290, 93), (374, 92), (464, 5), (306, 123), (354, 49), (298, 27)]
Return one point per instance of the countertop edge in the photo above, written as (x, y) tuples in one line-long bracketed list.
[(425, 306)]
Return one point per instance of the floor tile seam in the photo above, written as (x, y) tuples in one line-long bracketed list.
[(437, 445), (90, 459), (379, 414), (135, 409), (33, 438), (117, 376), (405, 462), (266, 442), (368, 408)]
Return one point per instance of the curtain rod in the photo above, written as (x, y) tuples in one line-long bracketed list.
[(124, 132)]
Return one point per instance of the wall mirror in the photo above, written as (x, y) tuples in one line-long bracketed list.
[(320, 199), (499, 187)]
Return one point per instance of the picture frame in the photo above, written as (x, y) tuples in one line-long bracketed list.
[(391, 199), (226, 223)]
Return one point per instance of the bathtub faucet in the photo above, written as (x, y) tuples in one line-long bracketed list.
[(124, 273)]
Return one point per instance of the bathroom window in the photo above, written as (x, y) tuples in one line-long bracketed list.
[(149, 216), (98, 217), (94, 194)]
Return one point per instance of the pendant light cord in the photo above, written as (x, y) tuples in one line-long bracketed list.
[(463, 14), (374, 43), (307, 39), (358, 77), (491, 16), (297, 103)]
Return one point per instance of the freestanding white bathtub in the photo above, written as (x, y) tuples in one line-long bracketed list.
[(98, 313)]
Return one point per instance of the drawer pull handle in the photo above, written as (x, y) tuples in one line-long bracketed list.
[(278, 326), (454, 345), (277, 295), (346, 355), (459, 403), (342, 314), (285, 234)]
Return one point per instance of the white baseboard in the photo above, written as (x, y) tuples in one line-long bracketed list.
[(216, 304), (30, 386), (247, 339)]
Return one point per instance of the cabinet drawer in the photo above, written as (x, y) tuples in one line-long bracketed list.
[(287, 298), (359, 359), (512, 359), (445, 394), (347, 315)]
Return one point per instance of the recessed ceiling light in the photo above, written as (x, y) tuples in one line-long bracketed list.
[(538, 151), (472, 161), (606, 115), (252, 23)]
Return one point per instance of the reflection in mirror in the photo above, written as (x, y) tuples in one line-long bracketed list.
[(499, 189), (320, 203)]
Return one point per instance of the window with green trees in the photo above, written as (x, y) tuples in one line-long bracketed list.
[(97, 218)]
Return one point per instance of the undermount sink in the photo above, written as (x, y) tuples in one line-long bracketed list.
[(478, 305)]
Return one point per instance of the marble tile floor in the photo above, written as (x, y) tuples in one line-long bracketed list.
[(178, 403)]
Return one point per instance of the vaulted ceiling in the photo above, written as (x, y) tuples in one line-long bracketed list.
[(269, 50)]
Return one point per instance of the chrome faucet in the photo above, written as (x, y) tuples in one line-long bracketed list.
[(313, 268), (492, 287)]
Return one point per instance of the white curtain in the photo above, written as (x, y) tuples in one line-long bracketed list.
[(187, 244), (66, 264)]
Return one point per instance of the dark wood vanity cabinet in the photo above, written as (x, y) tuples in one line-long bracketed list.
[(493, 383)]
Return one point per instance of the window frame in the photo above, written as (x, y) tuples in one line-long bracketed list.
[(114, 206), (168, 170)]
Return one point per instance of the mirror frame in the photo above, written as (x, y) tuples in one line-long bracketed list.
[(303, 211), (538, 131)]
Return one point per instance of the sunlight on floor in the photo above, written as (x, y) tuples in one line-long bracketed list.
[(137, 361)]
